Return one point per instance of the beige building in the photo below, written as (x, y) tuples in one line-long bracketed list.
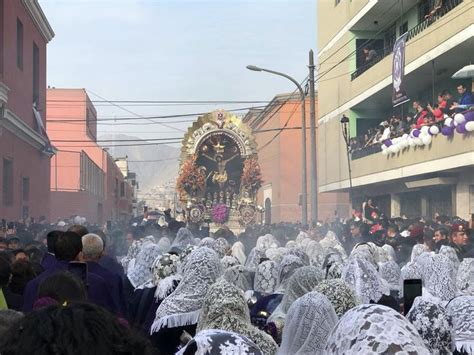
[(422, 180)]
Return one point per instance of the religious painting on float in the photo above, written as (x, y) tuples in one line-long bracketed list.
[(219, 172)]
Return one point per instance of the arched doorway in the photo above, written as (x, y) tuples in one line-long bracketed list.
[(268, 211)]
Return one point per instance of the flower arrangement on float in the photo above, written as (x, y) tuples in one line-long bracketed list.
[(191, 179), (220, 213)]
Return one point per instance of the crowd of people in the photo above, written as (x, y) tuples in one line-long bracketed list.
[(334, 288), (423, 114)]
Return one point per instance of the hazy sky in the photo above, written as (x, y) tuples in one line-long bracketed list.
[(177, 50)]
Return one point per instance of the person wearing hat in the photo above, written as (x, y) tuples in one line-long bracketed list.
[(459, 239)]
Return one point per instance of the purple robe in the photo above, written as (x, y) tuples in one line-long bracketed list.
[(111, 264), (48, 261), (114, 284), (97, 290)]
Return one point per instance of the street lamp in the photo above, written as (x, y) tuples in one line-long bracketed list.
[(304, 194), (345, 134)]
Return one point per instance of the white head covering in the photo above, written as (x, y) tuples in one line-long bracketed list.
[(448, 251), (371, 329), (342, 297), (461, 309), (225, 308), (164, 244), (417, 250), (304, 280), (439, 277), (434, 325), (182, 307), (331, 241), (254, 258), (290, 244), (362, 276), (238, 251), (308, 324), (465, 277), (266, 278), (239, 276), (390, 272), (140, 275), (389, 252), (287, 267), (229, 261), (184, 238), (275, 254), (315, 253), (220, 342)]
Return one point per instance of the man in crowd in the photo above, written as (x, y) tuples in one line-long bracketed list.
[(49, 260), (459, 239), (67, 249), (92, 250), (440, 237)]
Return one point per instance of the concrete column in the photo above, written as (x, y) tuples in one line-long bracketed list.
[(395, 205), (463, 198), (424, 206)]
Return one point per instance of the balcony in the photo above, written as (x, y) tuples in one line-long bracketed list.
[(448, 5)]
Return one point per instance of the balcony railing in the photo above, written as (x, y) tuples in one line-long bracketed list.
[(448, 5)]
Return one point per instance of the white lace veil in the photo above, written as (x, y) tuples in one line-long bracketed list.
[(362, 276), (239, 276), (439, 276), (287, 267), (342, 297), (182, 307), (304, 280), (461, 309), (465, 277), (434, 325), (309, 321), (266, 278), (140, 275), (371, 329), (220, 342), (225, 308), (238, 251)]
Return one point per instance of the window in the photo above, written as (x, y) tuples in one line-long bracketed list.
[(25, 189), (7, 182), (35, 73), (19, 44), (122, 189), (403, 28)]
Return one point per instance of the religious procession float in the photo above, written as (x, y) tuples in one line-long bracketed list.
[(219, 173)]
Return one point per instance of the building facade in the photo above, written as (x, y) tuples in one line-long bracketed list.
[(417, 180), (279, 156), (85, 179), (24, 149)]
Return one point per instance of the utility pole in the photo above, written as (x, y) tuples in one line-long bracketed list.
[(313, 156)]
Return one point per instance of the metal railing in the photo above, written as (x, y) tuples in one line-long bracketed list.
[(448, 5)]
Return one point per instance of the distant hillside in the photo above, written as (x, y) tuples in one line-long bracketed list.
[(150, 172)]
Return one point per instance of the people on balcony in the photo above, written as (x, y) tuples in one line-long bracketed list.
[(466, 99), (370, 55)]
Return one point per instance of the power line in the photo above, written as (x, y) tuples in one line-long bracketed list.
[(151, 117), (178, 102), (118, 145), (136, 114)]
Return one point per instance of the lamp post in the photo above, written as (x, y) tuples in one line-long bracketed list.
[(304, 194), (345, 134)]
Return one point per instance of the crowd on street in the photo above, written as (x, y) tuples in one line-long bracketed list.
[(168, 287)]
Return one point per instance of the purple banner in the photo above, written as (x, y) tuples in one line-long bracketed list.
[(399, 96)]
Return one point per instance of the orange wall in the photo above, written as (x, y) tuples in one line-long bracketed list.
[(281, 165)]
